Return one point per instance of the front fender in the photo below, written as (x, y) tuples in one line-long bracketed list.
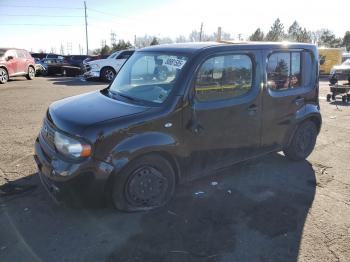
[(140, 144), (308, 111)]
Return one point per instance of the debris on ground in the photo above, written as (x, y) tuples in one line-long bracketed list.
[(172, 213)]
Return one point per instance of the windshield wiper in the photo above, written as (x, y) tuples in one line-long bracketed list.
[(125, 96)]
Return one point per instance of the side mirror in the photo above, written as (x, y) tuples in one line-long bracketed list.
[(9, 58)]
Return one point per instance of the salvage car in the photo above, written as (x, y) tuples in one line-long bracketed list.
[(58, 66), (16, 62), (341, 73), (107, 69), (218, 104)]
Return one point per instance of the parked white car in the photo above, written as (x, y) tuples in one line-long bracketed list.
[(107, 69)]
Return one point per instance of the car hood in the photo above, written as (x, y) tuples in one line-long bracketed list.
[(75, 114), (98, 61)]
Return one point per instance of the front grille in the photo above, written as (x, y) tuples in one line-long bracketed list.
[(48, 134), (87, 68)]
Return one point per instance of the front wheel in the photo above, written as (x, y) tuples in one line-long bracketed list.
[(4, 77), (31, 73), (147, 183), (108, 74), (303, 141)]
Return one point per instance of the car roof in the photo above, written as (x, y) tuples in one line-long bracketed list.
[(198, 46), (11, 48)]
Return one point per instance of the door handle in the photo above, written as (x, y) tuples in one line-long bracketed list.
[(299, 101), (252, 109)]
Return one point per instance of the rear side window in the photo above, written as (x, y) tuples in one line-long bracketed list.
[(20, 54), (224, 77), (286, 70)]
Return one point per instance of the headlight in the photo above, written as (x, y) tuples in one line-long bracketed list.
[(95, 66), (71, 147)]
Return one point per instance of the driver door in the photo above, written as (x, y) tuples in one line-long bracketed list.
[(223, 119), (12, 63)]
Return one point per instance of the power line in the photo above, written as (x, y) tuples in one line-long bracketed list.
[(43, 7), (44, 15), (37, 25), (101, 12)]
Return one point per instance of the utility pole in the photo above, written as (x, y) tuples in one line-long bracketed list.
[(200, 33), (69, 48), (113, 38), (219, 34), (86, 31)]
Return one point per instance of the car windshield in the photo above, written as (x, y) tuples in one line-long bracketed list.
[(113, 55), (2, 52), (148, 76), (347, 62)]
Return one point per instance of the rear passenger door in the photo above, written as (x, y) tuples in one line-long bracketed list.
[(289, 79), (223, 119), (21, 61)]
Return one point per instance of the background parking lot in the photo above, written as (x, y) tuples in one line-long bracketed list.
[(267, 209)]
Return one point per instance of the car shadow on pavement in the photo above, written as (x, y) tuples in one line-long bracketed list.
[(340, 103), (253, 211), (74, 81)]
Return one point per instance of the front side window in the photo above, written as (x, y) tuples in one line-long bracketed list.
[(2, 52), (11, 53), (224, 77), (284, 70), (148, 76)]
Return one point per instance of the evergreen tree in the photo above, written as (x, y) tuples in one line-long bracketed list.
[(276, 32), (258, 35)]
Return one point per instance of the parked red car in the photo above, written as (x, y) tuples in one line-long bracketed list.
[(16, 62)]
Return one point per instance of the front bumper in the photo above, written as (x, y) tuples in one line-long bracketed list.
[(64, 180), (92, 74)]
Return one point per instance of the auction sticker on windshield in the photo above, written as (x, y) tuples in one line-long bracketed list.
[(175, 62)]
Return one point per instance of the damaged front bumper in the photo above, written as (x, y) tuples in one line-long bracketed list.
[(63, 180)]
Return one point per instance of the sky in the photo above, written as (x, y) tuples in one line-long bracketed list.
[(45, 25)]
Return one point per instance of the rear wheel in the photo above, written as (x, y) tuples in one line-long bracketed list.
[(303, 141), (4, 77), (108, 74), (31, 73), (147, 183)]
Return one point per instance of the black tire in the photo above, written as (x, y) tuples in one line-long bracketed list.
[(4, 76), (107, 74), (146, 183), (303, 141), (329, 97), (31, 73), (343, 98)]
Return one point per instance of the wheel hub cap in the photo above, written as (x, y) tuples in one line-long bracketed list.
[(147, 187)]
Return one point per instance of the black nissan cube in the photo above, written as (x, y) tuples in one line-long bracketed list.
[(176, 112)]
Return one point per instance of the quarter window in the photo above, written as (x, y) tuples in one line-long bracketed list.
[(286, 70), (224, 77)]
